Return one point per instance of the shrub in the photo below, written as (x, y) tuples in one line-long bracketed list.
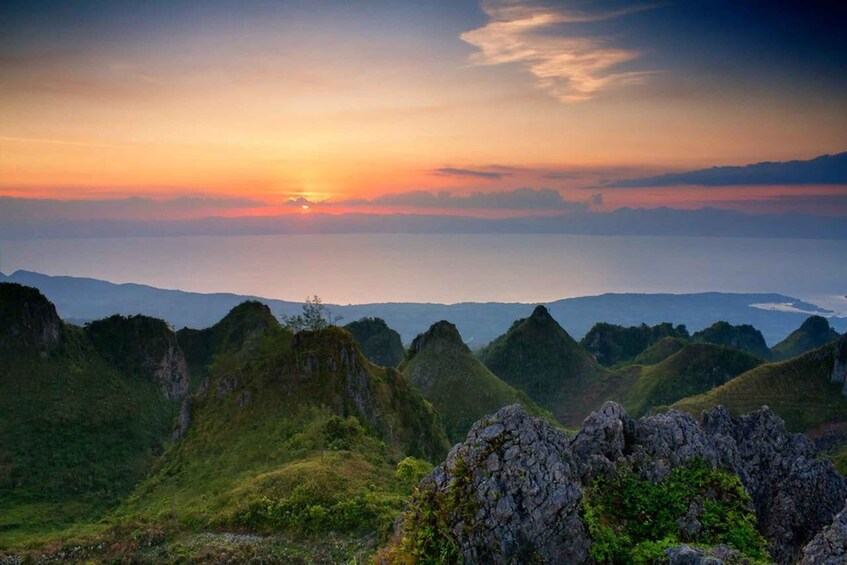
[(632, 520)]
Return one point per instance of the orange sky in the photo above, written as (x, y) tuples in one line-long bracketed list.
[(254, 109)]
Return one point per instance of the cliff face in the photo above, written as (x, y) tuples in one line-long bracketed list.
[(517, 488), (143, 346), (839, 369), (27, 319)]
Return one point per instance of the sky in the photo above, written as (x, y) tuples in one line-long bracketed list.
[(496, 108)]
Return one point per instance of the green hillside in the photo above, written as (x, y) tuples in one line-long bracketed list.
[(77, 430), (612, 345), (744, 337), (799, 390), (813, 333), (539, 357), (302, 436), (380, 344), (242, 326), (694, 369), (460, 387), (660, 351)]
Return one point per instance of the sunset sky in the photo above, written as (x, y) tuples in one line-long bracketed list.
[(511, 107)]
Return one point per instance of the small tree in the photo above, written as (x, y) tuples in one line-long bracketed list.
[(316, 316)]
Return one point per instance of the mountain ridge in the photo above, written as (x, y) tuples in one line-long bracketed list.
[(83, 299)]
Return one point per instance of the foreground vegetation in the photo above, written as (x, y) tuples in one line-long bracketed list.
[(287, 436)]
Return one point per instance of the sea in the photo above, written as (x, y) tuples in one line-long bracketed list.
[(368, 268)]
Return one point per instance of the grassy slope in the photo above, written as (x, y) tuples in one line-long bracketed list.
[(460, 387), (539, 357), (659, 351), (694, 369), (285, 444), (798, 390), (75, 436)]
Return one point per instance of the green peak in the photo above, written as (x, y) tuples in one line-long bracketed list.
[(378, 342), (252, 310), (541, 314), (815, 324), (29, 320), (442, 332)]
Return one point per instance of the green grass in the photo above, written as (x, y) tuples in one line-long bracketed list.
[(291, 436), (304, 437), (459, 386), (797, 390), (694, 369), (76, 435), (659, 351)]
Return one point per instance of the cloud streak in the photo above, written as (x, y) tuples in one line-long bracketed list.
[(452, 171), (517, 199), (570, 67), (826, 169)]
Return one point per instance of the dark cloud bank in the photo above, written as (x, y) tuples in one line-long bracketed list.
[(517, 199), (826, 169), (625, 221)]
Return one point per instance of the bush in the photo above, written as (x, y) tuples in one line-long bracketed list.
[(411, 470), (632, 520)]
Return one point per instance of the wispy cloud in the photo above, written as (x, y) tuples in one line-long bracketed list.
[(452, 171), (15, 139), (826, 169), (517, 199), (535, 35)]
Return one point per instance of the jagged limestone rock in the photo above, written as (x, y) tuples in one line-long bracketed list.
[(518, 495), (718, 555), (829, 547), (516, 482)]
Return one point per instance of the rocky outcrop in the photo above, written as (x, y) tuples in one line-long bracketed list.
[(795, 494), (687, 555), (829, 547), (27, 319), (519, 481), (183, 420), (517, 474)]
